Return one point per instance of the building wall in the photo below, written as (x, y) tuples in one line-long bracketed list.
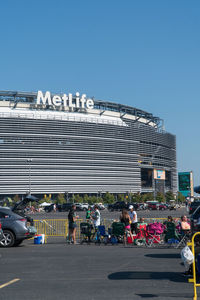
[(79, 156)]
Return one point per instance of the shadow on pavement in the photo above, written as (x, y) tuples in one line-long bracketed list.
[(164, 255), (147, 295), (167, 295), (172, 276)]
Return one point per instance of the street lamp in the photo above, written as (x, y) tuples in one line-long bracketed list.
[(29, 160)]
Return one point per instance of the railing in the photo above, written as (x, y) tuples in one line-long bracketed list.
[(59, 227), (194, 279)]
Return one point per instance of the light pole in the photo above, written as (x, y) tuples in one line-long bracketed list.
[(29, 160)]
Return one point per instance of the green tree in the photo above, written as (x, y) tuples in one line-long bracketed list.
[(120, 197), (169, 196), (136, 197), (86, 198), (16, 198), (147, 197), (60, 199), (78, 199), (160, 197), (108, 198), (180, 197)]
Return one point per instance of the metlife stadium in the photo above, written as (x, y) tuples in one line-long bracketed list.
[(71, 144)]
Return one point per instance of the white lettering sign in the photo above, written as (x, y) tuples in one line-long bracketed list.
[(65, 100)]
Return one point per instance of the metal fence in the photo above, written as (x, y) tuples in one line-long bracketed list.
[(59, 227)]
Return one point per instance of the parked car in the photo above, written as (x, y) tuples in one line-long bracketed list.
[(193, 206), (85, 206), (172, 207), (141, 206), (100, 206), (1, 232), (119, 205), (79, 207), (162, 206), (49, 208), (64, 207), (153, 206), (20, 208), (15, 228)]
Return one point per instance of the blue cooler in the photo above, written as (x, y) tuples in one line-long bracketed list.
[(38, 239)]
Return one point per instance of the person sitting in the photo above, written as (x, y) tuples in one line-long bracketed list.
[(142, 222), (170, 231), (185, 225)]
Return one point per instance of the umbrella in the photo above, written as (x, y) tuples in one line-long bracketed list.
[(45, 204)]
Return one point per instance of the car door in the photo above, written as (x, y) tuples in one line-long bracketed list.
[(6, 220)]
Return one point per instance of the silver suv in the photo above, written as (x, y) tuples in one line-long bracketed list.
[(1, 232), (14, 227)]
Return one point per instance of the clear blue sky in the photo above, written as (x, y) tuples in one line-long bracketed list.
[(142, 53)]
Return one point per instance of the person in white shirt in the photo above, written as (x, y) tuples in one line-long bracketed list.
[(96, 217), (133, 216)]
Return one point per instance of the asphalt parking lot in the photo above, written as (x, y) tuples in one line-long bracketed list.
[(89, 272), (115, 215)]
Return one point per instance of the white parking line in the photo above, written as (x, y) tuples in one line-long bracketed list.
[(9, 282)]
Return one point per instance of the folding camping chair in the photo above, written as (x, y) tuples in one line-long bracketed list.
[(184, 237)]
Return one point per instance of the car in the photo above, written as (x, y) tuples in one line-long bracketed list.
[(193, 206), (49, 208), (100, 206), (153, 206), (85, 206), (64, 207), (162, 206), (20, 208), (119, 205), (79, 207), (1, 232), (15, 228)]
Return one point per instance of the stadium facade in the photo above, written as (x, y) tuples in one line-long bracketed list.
[(70, 144)]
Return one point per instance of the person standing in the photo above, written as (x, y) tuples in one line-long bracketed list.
[(72, 217), (96, 217), (126, 220), (133, 217), (88, 214)]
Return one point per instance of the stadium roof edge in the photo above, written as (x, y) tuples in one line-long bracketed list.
[(100, 104)]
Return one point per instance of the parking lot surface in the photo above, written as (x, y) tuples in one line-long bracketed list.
[(57, 270), (115, 214)]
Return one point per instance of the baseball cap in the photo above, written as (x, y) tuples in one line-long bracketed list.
[(130, 206)]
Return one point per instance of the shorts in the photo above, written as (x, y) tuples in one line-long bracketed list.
[(127, 227), (72, 225)]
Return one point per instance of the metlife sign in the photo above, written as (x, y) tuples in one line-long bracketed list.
[(65, 100)]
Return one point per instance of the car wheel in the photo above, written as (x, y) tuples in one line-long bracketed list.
[(8, 239)]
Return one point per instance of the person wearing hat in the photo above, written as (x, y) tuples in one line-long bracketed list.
[(133, 216)]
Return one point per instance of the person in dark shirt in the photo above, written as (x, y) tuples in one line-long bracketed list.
[(72, 217), (126, 219)]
